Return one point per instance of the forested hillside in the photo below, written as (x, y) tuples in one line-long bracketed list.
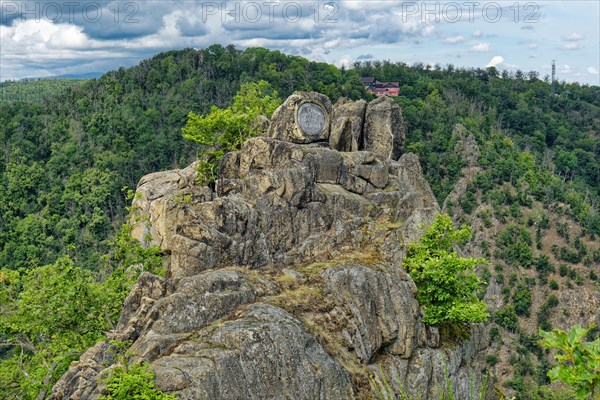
[(532, 194), (559, 132), (522, 167)]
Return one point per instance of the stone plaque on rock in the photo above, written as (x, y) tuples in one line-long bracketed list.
[(311, 118), (305, 117)]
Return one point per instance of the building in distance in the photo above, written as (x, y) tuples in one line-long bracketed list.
[(377, 88)]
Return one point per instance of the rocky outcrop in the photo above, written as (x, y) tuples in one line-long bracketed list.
[(347, 125), (285, 280), (384, 128), (434, 370), (379, 317), (263, 354)]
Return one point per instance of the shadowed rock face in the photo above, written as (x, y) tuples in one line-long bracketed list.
[(286, 280)]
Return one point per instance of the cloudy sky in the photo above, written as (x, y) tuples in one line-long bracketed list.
[(54, 37)]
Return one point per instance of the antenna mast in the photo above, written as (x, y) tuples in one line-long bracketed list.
[(552, 88)]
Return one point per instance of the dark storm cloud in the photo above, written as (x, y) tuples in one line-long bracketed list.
[(108, 34), (102, 20)]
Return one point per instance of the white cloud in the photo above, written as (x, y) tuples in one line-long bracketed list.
[(345, 61), (570, 46), (532, 46), (592, 70), (477, 33), (455, 39), (573, 37), (483, 47), (428, 30), (495, 61), (565, 69)]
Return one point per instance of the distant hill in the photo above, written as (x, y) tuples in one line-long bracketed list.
[(35, 90), (87, 75)]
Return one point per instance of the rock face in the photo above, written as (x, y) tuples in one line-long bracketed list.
[(285, 281), (347, 125), (384, 132)]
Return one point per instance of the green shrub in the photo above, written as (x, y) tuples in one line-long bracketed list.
[(545, 312), (494, 334), (506, 317), (522, 300), (500, 278), (491, 359), (446, 283), (552, 302), (542, 264), (581, 247), (133, 382), (596, 255), (553, 285), (225, 130), (566, 254), (514, 246), (468, 201), (563, 269), (562, 228)]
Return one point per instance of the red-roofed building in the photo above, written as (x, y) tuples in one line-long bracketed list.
[(381, 88)]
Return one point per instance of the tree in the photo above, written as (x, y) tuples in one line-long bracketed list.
[(225, 129), (47, 317), (578, 361), (50, 315), (446, 283)]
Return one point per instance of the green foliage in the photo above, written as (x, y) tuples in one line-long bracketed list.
[(563, 269), (562, 228), (495, 334), (578, 361), (224, 130), (522, 300), (133, 382), (491, 359), (545, 312), (68, 149), (50, 315), (35, 90), (566, 254), (446, 283), (506, 317), (514, 246), (543, 145)]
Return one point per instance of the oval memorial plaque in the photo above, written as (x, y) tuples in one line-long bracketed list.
[(311, 118)]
